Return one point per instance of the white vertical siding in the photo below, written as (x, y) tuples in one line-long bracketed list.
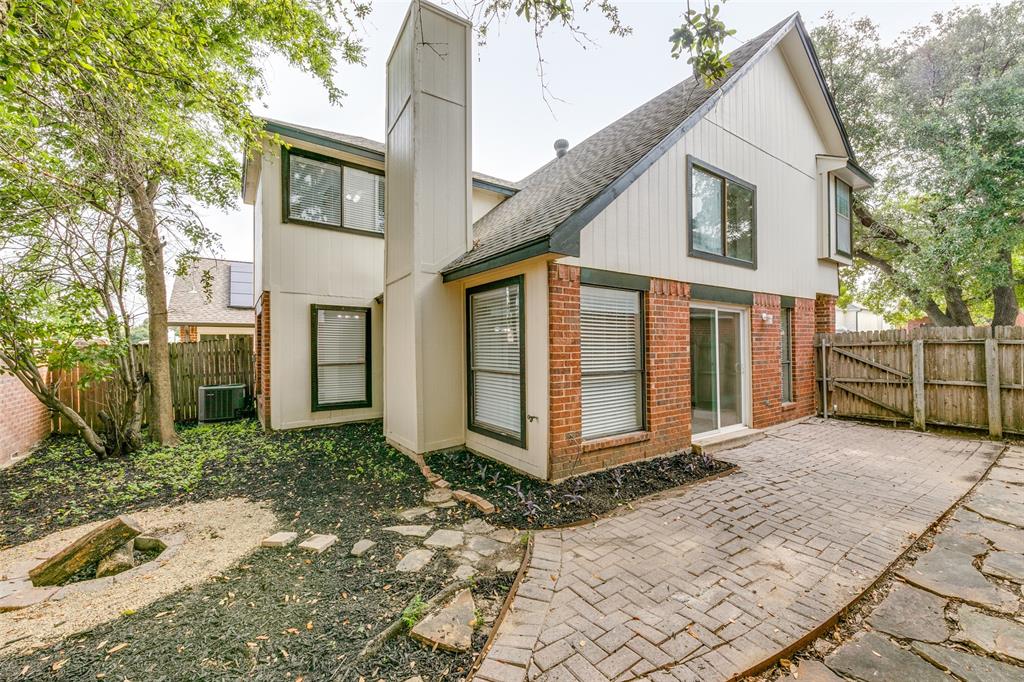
[(761, 132)]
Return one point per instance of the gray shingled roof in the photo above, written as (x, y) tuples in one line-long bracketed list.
[(563, 186), (189, 304), (378, 148)]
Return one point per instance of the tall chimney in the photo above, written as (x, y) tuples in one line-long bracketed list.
[(429, 223)]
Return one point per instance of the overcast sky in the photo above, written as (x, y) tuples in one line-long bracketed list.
[(513, 126)]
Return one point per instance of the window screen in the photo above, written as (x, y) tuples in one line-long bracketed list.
[(495, 360), (723, 215), (340, 357), (363, 200), (611, 359), (786, 346), (314, 190), (843, 235)]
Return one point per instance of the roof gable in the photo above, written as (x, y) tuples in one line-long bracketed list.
[(564, 195)]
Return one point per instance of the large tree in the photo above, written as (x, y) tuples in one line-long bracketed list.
[(939, 117)]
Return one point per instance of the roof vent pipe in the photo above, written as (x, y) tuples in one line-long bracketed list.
[(561, 147)]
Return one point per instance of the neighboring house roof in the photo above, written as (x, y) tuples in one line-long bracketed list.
[(561, 197), (370, 149), (190, 304)]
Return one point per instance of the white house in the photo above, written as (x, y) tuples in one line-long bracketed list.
[(656, 284)]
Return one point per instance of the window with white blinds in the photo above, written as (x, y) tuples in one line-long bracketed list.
[(314, 190), (611, 360), (363, 200), (341, 338), (495, 360), (329, 192)]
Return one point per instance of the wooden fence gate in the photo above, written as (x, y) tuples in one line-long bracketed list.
[(205, 363), (968, 377)]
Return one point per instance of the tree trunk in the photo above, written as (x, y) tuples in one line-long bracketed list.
[(956, 308), (1004, 297), (161, 409)]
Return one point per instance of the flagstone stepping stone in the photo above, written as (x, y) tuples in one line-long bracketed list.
[(811, 671), (999, 501), (872, 656), (464, 572), (282, 539), (362, 547), (1008, 565), (484, 546), (437, 496), (1001, 536), (477, 527), (910, 613), (509, 566), (149, 543), (11, 586), (952, 539), (450, 628), (988, 633), (953, 574), (414, 513), (318, 543), (415, 679), (505, 535), (1006, 474), (26, 597), (415, 561), (445, 539), (118, 561), (968, 666), (410, 531)]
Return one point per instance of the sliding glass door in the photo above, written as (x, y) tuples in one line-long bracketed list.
[(717, 363)]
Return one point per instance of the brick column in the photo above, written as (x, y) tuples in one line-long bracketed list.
[(803, 361), (668, 367), (825, 314), (565, 420), (188, 334), (766, 361), (262, 359)]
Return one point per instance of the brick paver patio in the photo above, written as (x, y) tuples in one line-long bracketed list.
[(706, 584)]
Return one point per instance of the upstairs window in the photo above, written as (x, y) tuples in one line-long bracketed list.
[(611, 361), (722, 211), (495, 321), (326, 192), (844, 236)]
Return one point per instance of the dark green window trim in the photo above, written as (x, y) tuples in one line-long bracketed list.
[(835, 215), (786, 352), (286, 154), (705, 292), (614, 280), (520, 441), (316, 406), (644, 423), (726, 178), (787, 301)]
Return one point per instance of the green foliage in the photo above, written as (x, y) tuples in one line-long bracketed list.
[(939, 118), (412, 613), (702, 35)]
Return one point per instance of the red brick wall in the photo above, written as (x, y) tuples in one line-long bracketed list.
[(766, 361), (23, 419), (825, 314), (262, 359), (766, 355), (667, 339), (188, 334), (564, 415)]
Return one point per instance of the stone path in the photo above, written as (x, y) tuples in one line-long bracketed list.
[(955, 608), (706, 584)]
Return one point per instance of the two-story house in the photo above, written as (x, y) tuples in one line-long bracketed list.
[(657, 284)]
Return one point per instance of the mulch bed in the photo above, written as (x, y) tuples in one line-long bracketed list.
[(288, 614), (527, 503)]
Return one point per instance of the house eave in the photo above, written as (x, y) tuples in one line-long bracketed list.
[(516, 255)]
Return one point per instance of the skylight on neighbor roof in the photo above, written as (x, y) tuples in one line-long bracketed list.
[(241, 286)]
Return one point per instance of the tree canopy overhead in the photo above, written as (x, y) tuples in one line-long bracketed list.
[(938, 116)]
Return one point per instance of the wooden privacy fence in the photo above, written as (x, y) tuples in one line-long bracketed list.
[(968, 377), (205, 363)]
